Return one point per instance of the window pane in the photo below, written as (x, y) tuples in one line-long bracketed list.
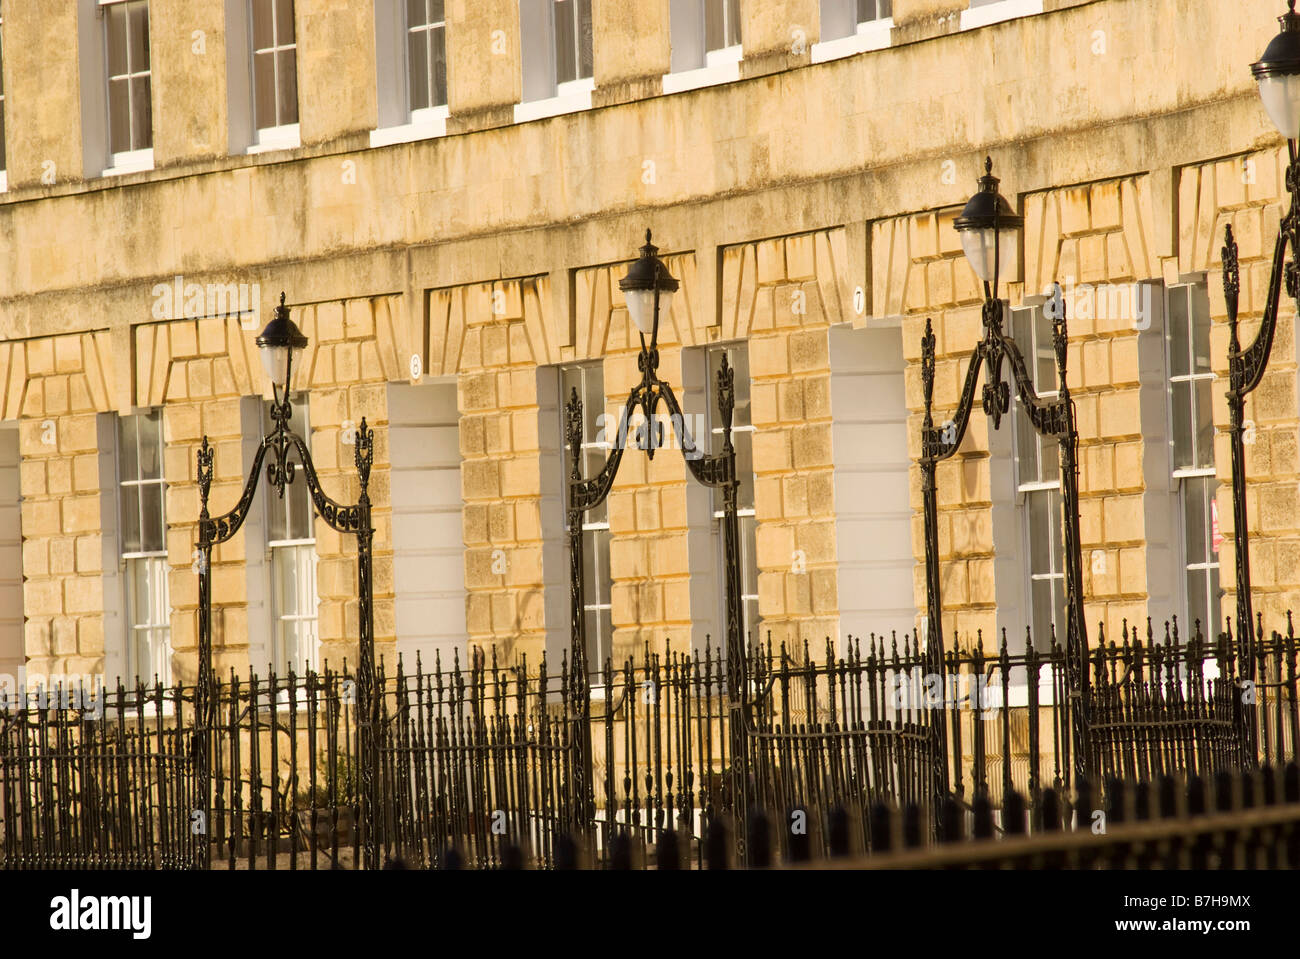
[(143, 585), (128, 460), (592, 565), (1026, 446), (1196, 520), (1043, 363), (263, 30), (264, 90), (417, 61), (116, 27), (1200, 306), (130, 500), (593, 403), (119, 116), (733, 22), (566, 65), (287, 583), (749, 555), (436, 14), (150, 436), (1040, 545), (739, 360), (1058, 602), (151, 517), (1204, 423), (593, 463), (715, 37), (438, 48), (301, 513), (284, 32), (599, 630), (287, 79), (1197, 603), (1049, 458), (141, 114), (1215, 611), (138, 40), (584, 38), (1044, 603), (1181, 394), (1178, 344), (416, 13)]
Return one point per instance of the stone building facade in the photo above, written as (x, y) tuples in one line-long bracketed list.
[(448, 194)]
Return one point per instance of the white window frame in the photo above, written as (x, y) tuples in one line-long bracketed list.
[(1180, 474), (867, 35), (606, 603), (398, 123), (1025, 490), (151, 562), (285, 136), (686, 26), (127, 161), (984, 12), (538, 27), (306, 560), (302, 553)]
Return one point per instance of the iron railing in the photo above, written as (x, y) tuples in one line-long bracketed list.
[(481, 764)]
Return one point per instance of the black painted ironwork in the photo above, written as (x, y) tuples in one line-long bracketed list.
[(474, 759), (717, 470), (1050, 417), (1246, 367), (276, 450)]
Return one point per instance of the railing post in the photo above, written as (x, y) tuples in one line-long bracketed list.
[(937, 718), (1240, 377), (1075, 627), (204, 704), (581, 798), (737, 672), (367, 692)]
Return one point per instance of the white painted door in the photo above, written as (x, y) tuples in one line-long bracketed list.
[(428, 534), (873, 531)]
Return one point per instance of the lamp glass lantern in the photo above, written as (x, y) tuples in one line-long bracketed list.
[(281, 344), (648, 280), (988, 228), (1278, 75)]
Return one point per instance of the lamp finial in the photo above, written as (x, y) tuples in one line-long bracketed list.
[(988, 160)]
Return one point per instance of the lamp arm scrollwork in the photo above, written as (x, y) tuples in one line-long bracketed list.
[(1246, 367), (344, 519), (943, 441), (1047, 414), (219, 529)]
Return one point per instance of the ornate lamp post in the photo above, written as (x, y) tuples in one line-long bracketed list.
[(648, 288), (988, 227), (1278, 75), (281, 344)]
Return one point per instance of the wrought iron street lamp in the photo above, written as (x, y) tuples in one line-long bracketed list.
[(281, 344), (1277, 74), (988, 228), (648, 288)]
